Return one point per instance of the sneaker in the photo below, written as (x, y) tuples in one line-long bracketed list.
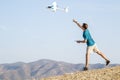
[(85, 68), (107, 62)]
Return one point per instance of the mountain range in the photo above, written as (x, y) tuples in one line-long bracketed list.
[(41, 69)]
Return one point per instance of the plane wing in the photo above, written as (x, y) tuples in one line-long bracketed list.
[(54, 4)]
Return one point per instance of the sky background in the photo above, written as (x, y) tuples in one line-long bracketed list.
[(30, 32)]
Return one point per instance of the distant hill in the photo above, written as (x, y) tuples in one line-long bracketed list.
[(41, 69), (98, 74)]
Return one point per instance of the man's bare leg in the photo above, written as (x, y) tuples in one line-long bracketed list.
[(103, 56), (87, 61)]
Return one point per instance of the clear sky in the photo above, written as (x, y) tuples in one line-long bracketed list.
[(30, 32)]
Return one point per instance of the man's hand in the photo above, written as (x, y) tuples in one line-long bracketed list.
[(78, 41), (81, 41), (74, 21)]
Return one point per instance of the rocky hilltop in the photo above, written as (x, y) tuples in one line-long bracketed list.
[(98, 74)]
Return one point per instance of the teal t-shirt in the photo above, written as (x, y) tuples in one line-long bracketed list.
[(87, 36)]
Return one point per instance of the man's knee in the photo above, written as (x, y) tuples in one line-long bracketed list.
[(99, 52)]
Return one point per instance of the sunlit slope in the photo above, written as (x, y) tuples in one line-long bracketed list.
[(98, 74)]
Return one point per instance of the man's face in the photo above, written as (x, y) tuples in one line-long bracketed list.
[(83, 27)]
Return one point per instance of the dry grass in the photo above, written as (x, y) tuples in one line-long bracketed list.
[(99, 74)]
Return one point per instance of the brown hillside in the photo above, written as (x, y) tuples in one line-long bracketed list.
[(99, 74)]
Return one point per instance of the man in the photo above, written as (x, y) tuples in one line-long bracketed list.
[(91, 45)]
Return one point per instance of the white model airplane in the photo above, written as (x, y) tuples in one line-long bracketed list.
[(54, 7)]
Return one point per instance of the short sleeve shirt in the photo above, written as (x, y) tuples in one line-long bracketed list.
[(87, 36)]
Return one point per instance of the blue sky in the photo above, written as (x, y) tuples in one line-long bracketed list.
[(29, 31)]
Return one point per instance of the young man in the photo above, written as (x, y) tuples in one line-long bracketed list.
[(91, 45)]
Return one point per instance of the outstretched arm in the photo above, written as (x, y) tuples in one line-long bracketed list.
[(81, 41), (78, 24)]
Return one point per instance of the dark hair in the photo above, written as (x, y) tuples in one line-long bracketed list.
[(85, 25)]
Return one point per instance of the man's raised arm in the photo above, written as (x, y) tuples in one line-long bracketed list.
[(78, 24)]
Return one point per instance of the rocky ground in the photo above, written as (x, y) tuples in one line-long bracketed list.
[(98, 74)]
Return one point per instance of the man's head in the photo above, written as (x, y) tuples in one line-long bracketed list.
[(85, 26)]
